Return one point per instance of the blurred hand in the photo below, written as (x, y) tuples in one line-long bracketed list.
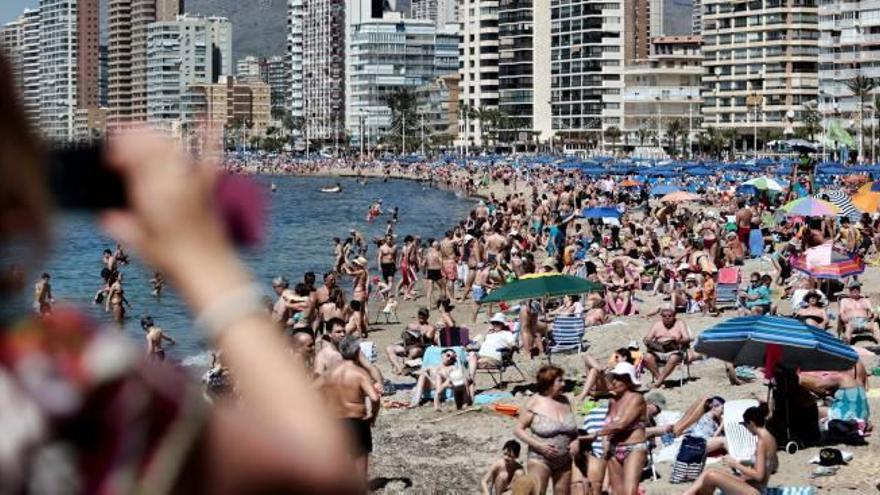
[(170, 219)]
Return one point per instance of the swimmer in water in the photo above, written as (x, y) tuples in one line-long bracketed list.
[(155, 337)]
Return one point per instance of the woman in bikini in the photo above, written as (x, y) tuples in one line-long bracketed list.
[(116, 300), (620, 284), (623, 437), (547, 425)]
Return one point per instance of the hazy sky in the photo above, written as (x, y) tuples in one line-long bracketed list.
[(10, 9)]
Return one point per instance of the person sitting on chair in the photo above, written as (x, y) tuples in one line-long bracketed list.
[(856, 313), (814, 313), (415, 339), (665, 342), (488, 356), (446, 376)]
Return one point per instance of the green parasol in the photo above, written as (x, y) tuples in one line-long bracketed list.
[(542, 285)]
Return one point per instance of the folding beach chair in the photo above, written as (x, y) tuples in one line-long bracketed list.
[(727, 289), (433, 356), (741, 444), (506, 362), (566, 335)]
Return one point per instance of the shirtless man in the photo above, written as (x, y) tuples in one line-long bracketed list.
[(280, 309), (433, 272), (856, 314), (348, 390), (302, 344), (495, 246), (420, 335), (472, 251), (43, 295), (338, 254), (449, 265), (329, 357), (359, 242), (322, 296), (665, 341), (743, 222), (480, 288), (504, 471), (155, 337), (387, 260)]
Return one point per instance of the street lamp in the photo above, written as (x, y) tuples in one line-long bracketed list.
[(754, 101)]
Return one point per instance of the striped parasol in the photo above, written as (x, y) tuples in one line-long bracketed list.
[(841, 266), (841, 200), (747, 339)]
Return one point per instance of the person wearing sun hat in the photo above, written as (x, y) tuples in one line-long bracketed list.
[(623, 436), (489, 354)]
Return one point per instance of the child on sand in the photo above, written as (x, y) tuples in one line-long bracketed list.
[(504, 471)]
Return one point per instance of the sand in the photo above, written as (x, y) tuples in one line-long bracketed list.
[(423, 451)]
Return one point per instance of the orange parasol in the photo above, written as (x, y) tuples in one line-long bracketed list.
[(680, 197)]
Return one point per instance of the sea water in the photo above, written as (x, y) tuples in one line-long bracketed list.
[(301, 225)]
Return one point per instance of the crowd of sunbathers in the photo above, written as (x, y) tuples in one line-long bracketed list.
[(688, 255)]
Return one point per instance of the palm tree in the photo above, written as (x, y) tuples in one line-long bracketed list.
[(861, 86), (811, 123), (643, 135), (674, 129), (402, 103), (612, 134), (729, 137)]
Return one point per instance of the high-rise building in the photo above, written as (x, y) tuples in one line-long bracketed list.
[(438, 110), (12, 43), (249, 69), (636, 29), (478, 65), (323, 68), (295, 96), (386, 55), (761, 63), (442, 12), (179, 54), (276, 73), (663, 88), (241, 106), (127, 22), (220, 36), (30, 65), (68, 32), (587, 58), (671, 17), (697, 18), (849, 47), (523, 78)]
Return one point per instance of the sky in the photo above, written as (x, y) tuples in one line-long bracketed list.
[(10, 9)]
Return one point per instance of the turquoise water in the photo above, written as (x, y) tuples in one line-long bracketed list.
[(301, 225)]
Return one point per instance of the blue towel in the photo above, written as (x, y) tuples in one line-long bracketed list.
[(791, 490), (491, 398), (756, 243)]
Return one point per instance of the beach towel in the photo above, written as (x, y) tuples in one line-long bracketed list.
[(491, 398), (689, 461), (756, 243)]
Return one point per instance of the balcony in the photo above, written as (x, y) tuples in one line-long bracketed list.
[(648, 93)]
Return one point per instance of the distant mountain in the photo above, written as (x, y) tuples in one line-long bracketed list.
[(259, 27)]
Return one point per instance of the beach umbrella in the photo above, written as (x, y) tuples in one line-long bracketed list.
[(838, 266), (540, 286), (680, 197), (747, 189), (810, 207), (699, 172), (601, 212), (630, 183), (747, 340), (801, 145), (764, 184), (842, 201)]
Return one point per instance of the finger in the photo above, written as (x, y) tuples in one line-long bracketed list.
[(125, 228)]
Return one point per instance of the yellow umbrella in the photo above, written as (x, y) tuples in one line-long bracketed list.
[(680, 197), (866, 199)]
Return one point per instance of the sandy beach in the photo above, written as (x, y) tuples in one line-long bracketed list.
[(422, 451)]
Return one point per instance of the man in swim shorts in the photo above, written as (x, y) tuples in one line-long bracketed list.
[(351, 394), (856, 314)]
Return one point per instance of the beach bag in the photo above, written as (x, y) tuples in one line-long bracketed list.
[(689, 461), (369, 350), (845, 432)]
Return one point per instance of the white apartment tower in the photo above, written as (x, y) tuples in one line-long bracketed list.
[(523, 78), (179, 53), (587, 53), (323, 68), (442, 12), (12, 43), (849, 46), (478, 65), (30, 64), (295, 57), (57, 68), (761, 63)]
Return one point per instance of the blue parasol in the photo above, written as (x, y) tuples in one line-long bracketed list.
[(745, 340), (601, 212)]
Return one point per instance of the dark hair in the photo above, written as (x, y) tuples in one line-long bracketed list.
[(757, 415), (147, 322), (305, 330), (332, 322), (626, 354), (424, 311), (107, 251), (309, 278), (301, 289), (708, 404), (546, 376), (355, 305)]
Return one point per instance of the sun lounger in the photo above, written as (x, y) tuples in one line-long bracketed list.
[(741, 444), (566, 335)]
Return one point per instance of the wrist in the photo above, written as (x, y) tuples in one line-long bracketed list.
[(202, 277)]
